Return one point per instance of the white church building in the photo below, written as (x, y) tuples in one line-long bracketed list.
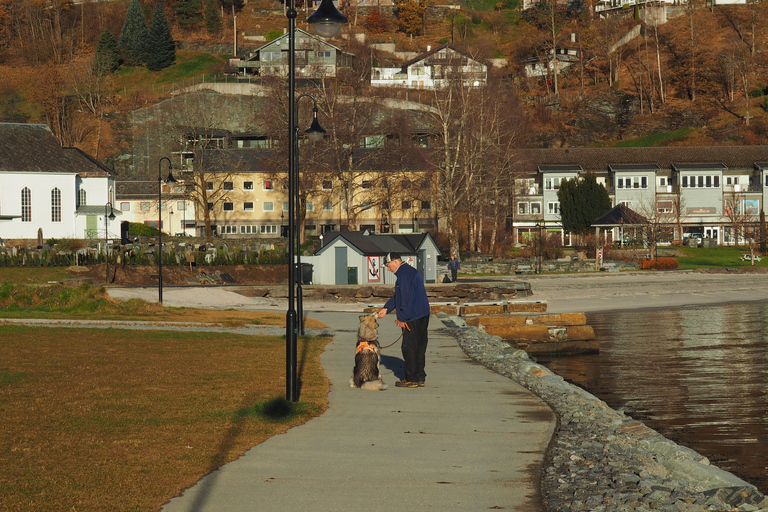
[(47, 191)]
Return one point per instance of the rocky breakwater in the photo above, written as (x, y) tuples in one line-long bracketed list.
[(602, 460)]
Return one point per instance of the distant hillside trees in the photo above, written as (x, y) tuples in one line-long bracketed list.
[(410, 16), (212, 16), (189, 13), (107, 57), (375, 22), (134, 36), (161, 50)]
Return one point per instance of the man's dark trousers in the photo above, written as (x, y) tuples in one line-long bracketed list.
[(414, 349)]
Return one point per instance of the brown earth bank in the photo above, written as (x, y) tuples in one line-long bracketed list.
[(145, 275)]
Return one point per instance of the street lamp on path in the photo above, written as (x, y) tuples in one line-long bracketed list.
[(169, 179), (109, 214), (314, 133), (327, 22)]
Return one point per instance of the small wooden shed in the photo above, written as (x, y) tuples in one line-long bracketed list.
[(356, 257)]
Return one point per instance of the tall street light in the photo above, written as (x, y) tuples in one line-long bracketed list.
[(169, 179), (107, 216), (327, 22), (315, 133)]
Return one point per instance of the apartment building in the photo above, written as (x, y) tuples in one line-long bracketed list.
[(703, 190)]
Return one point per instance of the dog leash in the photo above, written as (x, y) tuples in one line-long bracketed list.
[(398, 339)]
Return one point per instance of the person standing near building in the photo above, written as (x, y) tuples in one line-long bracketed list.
[(411, 307), (454, 266)]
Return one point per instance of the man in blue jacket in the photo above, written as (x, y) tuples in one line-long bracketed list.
[(412, 309)]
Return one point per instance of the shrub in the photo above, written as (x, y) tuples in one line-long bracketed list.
[(659, 264)]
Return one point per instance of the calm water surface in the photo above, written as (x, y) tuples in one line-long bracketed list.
[(698, 375)]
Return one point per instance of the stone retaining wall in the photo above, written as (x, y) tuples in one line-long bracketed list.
[(511, 267)]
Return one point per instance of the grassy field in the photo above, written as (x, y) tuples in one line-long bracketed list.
[(93, 303), (715, 257), (189, 64), (32, 275), (120, 420), (655, 139)]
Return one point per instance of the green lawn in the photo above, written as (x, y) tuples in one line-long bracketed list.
[(188, 65), (656, 139), (715, 257)]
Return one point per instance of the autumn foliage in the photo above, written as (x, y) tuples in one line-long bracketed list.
[(659, 264), (375, 22)]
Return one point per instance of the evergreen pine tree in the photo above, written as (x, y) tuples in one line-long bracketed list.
[(133, 36), (107, 58), (212, 16), (581, 202), (189, 13), (161, 50)]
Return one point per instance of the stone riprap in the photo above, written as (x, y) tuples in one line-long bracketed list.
[(601, 459), (455, 292)]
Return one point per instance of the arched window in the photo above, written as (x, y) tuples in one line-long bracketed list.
[(82, 197), (56, 205), (26, 205)]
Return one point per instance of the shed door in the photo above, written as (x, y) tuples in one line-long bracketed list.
[(341, 265), (421, 264)]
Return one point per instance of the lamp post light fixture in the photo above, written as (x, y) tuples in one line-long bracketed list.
[(327, 22), (169, 179), (107, 216)]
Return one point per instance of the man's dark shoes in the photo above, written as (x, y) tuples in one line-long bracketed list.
[(406, 384)]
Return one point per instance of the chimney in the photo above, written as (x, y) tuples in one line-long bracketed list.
[(429, 47), (573, 37)]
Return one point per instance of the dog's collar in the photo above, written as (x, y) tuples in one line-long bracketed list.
[(364, 345)]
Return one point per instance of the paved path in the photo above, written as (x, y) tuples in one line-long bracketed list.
[(469, 440)]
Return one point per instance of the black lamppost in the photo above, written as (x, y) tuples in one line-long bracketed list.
[(539, 249), (327, 23), (315, 133), (169, 179), (107, 216)]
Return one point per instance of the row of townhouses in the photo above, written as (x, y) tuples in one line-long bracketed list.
[(52, 192)]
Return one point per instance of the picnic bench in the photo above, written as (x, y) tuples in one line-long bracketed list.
[(748, 257)]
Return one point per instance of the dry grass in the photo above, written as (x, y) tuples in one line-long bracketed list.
[(93, 303), (121, 420)]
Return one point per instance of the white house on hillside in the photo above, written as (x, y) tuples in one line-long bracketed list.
[(434, 69), (47, 191)]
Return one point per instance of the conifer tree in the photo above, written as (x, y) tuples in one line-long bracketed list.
[(581, 202), (212, 16), (161, 50), (107, 58), (134, 35), (189, 13)]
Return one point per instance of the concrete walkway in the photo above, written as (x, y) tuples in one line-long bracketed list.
[(469, 440)]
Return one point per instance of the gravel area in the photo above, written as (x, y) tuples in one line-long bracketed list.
[(602, 460)]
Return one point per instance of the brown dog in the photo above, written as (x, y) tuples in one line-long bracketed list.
[(366, 374)]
